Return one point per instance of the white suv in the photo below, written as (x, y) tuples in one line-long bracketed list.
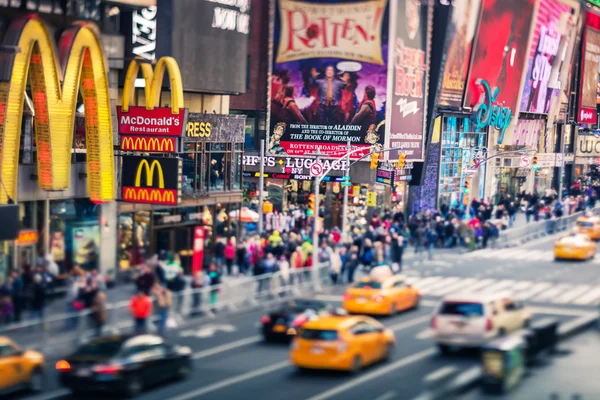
[(473, 319)]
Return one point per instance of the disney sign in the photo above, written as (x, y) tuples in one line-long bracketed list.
[(487, 113)]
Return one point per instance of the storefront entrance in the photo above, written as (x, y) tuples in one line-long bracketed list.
[(176, 240)]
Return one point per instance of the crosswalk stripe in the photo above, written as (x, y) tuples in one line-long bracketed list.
[(499, 286), (427, 282), (537, 288), (535, 255), (520, 286), (572, 294), (481, 284), (589, 297), (442, 283), (455, 287), (551, 293), (508, 254)]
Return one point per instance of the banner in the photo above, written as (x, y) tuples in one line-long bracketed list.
[(86, 245), (409, 93), (329, 77), (588, 93), (587, 146), (159, 121), (501, 51), (151, 180), (461, 32), (544, 59)]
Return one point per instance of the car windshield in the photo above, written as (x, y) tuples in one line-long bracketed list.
[(368, 285), (100, 348), (586, 224), (464, 309), (303, 305), (317, 334)]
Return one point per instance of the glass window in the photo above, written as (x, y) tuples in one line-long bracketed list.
[(215, 178), (250, 137), (317, 334), (465, 309), (368, 285), (189, 179)]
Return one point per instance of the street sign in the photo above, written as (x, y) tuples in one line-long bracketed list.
[(559, 160), (371, 199), (470, 171), (316, 169), (385, 176), (346, 184), (525, 162), (346, 178)]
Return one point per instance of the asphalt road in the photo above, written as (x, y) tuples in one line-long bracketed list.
[(232, 362)]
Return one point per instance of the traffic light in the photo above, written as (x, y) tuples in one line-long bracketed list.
[(401, 160), (311, 206), (534, 164), (374, 160), (467, 185)]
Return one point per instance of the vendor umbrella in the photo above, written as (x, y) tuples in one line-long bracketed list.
[(246, 215)]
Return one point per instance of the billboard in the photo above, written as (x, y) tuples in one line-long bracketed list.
[(84, 71), (500, 51), (460, 36), (409, 86), (544, 58), (209, 38), (329, 76), (151, 180), (588, 93)]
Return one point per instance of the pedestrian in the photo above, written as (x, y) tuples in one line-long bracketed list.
[(200, 280), (6, 304), (177, 286), (215, 281), (141, 309), (18, 296), (164, 300), (397, 248), (99, 314), (145, 279), (297, 262), (38, 298), (242, 256), (284, 271), (229, 253), (335, 266), (219, 253), (352, 262)]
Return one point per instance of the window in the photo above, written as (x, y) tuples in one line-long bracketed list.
[(399, 284), (464, 309), (216, 178), (8, 350), (317, 334), (190, 178), (100, 348), (368, 285), (236, 166), (250, 136)]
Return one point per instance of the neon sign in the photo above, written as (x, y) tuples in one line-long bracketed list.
[(487, 113)]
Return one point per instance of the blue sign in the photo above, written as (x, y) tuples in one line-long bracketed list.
[(486, 113)]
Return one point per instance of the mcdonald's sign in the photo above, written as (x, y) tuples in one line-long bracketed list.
[(149, 144), (153, 120), (151, 180), (84, 71)]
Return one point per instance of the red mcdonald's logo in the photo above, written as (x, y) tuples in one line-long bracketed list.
[(148, 144)]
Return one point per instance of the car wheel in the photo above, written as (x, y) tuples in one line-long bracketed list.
[(36, 381), (356, 365), (444, 349), (134, 386), (389, 349), (184, 370)]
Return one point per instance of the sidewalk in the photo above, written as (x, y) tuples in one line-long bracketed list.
[(571, 374)]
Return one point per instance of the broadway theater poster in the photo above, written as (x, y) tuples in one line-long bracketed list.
[(408, 97), (501, 51), (589, 70), (329, 76)]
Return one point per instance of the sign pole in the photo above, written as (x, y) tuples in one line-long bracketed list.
[(261, 186), (315, 234), (345, 206)]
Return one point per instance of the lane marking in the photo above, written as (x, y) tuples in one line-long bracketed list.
[(560, 311), (51, 395), (232, 381), (551, 293), (589, 297), (374, 374), (573, 294), (388, 395), (536, 289), (226, 347), (455, 287), (440, 373), (339, 299), (425, 334)]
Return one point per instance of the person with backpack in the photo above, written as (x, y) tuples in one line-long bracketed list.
[(430, 240)]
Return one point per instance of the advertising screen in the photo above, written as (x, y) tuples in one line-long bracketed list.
[(544, 57), (409, 93), (329, 76), (588, 94), (209, 40), (501, 51), (461, 32)]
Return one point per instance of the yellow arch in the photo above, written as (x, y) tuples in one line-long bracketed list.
[(84, 68), (149, 173), (154, 80)]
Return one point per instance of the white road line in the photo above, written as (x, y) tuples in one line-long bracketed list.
[(232, 381), (407, 324), (425, 334), (515, 253), (572, 294), (440, 373), (427, 281), (467, 288), (537, 288), (338, 299), (559, 311), (589, 297), (456, 287), (551, 293), (442, 283), (480, 285), (521, 285), (387, 395), (499, 286), (226, 347), (374, 374)]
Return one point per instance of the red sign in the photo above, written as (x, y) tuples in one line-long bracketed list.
[(149, 144), (589, 70), (157, 122), (149, 195), (27, 237), (198, 256)]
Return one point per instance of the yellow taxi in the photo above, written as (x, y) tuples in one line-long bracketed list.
[(19, 369), (346, 343), (385, 294), (574, 247), (589, 226)]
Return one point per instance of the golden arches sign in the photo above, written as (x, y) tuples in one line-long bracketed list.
[(54, 93), (154, 80)]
